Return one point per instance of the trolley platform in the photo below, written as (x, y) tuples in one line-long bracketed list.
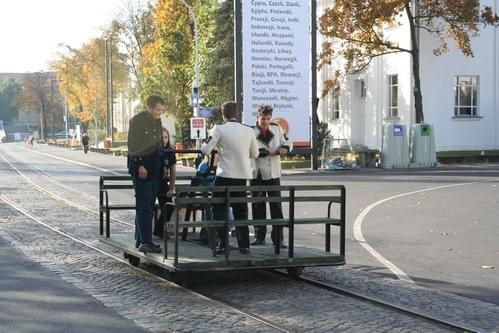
[(182, 252), (195, 257)]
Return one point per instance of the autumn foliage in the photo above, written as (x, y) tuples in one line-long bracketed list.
[(81, 75), (356, 34)]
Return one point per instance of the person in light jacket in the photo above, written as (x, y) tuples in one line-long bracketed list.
[(236, 145), (272, 144)]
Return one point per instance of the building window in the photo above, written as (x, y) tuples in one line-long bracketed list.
[(334, 106), (363, 89), (466, 96), (393, 95)]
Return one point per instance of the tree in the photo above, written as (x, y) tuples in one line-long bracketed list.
[(9, 89), (81, 72), (219, 78), (40, 92), (134, 29), (355, 29), (168, 60)]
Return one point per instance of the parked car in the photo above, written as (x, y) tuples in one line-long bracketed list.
[(61, 135)]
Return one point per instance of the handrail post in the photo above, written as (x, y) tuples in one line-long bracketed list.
[(226, 233), (175, 259), (343, 221), (291, 232), (211, 233), (101, 208), (108, 217), (328, 228)]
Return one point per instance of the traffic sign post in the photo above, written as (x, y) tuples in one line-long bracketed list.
[(198, 128), (195, 102)]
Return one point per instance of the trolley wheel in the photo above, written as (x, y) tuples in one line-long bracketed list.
[(294, 271), (133, 260)]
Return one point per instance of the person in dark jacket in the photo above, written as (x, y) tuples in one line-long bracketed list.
[(144, 165), (84, 142), (167, 185)]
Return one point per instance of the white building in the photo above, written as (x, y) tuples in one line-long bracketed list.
[(459, 93)]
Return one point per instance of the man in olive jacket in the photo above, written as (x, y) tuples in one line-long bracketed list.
[(144, 165)]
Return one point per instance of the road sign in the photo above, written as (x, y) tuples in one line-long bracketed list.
[(194, 99), (206, 112), (198, 128)]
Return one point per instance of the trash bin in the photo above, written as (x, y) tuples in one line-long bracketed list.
[(394, 148)]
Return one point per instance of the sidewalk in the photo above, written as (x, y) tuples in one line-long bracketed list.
[(33, 299), (118, 164)]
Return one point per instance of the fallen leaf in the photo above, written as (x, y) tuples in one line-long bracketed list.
[(487, 267), (450, 249)]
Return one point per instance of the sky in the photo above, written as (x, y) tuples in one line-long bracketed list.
[(31, 30)]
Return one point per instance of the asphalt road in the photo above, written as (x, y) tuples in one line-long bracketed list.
[(444, 236), (33, 299)]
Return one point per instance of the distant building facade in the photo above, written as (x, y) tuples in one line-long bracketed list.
[(459, 93)]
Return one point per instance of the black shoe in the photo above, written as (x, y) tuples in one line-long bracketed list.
[(137, 244), (244, 250), (149, 247), (221, 250), (258, 242)]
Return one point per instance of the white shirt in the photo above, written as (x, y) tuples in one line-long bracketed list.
[(236, 145), (269, 167)]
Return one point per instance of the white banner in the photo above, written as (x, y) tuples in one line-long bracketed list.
[(276, 63)]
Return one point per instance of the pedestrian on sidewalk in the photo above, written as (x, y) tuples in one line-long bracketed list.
[(84, 142)]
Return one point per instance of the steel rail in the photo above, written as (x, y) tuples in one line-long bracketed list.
[(143, 271), (384, 304), (58, 197)]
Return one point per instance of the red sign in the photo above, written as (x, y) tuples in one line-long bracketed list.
[(197, 122)]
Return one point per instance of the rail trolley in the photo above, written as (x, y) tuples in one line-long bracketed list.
[(184, 253)]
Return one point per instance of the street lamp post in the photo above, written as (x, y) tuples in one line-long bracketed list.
[(108, 52), (66, 113), (195, 84)]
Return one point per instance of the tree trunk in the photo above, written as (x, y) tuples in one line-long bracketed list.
[(418, 97)]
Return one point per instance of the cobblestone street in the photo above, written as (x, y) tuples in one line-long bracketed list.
[(158, 305)]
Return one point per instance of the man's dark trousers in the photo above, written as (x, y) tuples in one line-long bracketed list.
[(259, 209), (240, 211), (145, 198)]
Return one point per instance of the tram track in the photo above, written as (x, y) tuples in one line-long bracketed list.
[(75, 238), (381, 303), (56, 196), (204, 295), (145, 272), (207, 296)]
